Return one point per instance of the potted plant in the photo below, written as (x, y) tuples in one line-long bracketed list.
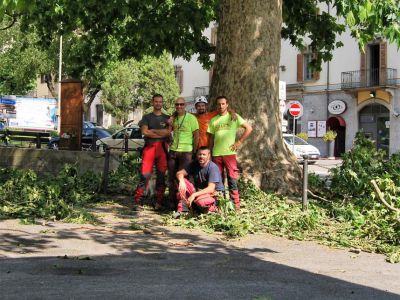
[(330, 137), (303, 135)]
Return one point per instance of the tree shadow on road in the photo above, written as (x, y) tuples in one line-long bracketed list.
[(161, 263)]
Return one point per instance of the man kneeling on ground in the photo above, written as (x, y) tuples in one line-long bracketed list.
[(207, 184)]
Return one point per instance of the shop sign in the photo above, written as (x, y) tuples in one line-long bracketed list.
[(337, 107)]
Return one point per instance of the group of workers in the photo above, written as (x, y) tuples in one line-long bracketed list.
[(198, 151)]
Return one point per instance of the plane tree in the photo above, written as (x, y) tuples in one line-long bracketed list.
[(247, 52)]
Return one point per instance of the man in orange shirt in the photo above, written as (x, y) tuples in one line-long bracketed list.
[(203, 118)]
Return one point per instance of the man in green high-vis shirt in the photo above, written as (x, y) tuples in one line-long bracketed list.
[(185, 130), (224, 145)]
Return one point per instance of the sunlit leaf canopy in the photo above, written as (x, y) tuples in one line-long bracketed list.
[(147, 27)]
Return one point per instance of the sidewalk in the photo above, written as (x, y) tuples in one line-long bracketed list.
[(323, 165), (113, 261)]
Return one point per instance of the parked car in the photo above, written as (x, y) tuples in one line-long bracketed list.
[(135, 139), (301, 147), (87, 136)]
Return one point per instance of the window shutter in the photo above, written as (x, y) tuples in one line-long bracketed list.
[(363, 66), (382, 62), (316, 74), (300, 67)]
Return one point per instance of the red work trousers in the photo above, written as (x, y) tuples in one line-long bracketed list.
[(228, 163), (176, 162), (154, 153), (205, 202)]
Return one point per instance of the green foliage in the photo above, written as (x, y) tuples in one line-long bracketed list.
[(329, 136), (125, 179), (114, 128), (25, 195), (121, 82), (21, 60), (303, 135), (131, 29), (348, 225), (129, 84), (351, 181)]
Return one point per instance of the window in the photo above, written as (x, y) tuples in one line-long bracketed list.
[(136, 134), (43, 78), (308, 73), (99, 114), (304, 71)]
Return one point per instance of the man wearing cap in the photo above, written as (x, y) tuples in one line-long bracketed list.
[(185, 139), (203, 117)]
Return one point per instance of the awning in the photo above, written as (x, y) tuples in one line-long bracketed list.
[(336, 121)]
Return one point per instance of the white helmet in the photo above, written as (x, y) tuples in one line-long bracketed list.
[(200, 99)]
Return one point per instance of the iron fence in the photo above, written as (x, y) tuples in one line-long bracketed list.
[(369, 78)]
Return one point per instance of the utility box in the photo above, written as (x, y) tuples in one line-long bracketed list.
[(71, 115)]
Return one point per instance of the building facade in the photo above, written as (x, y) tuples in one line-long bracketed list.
[(355, 91)]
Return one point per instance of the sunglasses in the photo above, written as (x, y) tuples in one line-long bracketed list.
[(179, 104)]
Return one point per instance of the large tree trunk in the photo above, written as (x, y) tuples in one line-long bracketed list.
[(246, 71)]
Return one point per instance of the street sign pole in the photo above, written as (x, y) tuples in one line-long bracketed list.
[(296, 110), (293, 132)]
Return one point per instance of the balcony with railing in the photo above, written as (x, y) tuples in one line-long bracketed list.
[(380, 77), (201, 91)]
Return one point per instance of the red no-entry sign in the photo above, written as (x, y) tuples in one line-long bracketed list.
[(295, 109)]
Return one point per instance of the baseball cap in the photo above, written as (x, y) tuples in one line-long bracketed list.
[(200, 99)]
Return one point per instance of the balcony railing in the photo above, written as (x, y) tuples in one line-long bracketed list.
[(369, 78), (201, 91)]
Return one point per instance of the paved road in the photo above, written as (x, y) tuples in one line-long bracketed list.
[(322, 166), (112, 261)]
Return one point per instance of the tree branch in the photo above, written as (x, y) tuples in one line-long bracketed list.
[(14, 19), (318, 197), (381, 197)]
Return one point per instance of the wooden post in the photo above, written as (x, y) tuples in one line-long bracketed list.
[(71, 114), (106, 169), (38, 143)]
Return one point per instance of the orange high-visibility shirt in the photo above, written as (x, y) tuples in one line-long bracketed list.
[(203, 120)]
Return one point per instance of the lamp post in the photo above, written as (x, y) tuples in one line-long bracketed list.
[(59, 88)]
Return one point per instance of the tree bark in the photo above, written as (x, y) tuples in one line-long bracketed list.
[(50, 85), (246, 71)]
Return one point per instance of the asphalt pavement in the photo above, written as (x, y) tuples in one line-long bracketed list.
[(322, 166), (147, 260)]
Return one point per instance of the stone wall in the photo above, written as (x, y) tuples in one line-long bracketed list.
[(51, 161)]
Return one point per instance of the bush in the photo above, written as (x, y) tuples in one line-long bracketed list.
[(125, 179), (330, 135), (23, 194), (350, 216), (351, 181), (114, 128), (303, 135)]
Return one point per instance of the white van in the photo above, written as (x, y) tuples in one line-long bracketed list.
[(301, 147), (135, 139)]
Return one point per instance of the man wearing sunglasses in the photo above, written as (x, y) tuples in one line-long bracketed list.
[(185, 130)]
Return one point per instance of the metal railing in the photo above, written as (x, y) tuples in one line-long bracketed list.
[(369, 78)]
